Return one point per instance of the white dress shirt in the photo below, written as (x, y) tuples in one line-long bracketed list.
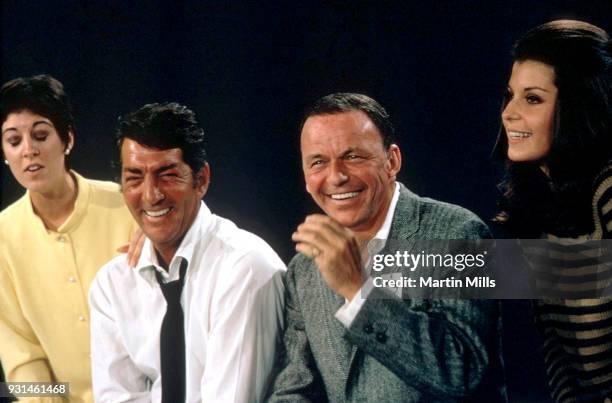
[(233, 305), (350, 309)]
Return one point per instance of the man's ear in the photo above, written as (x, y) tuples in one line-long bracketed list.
[(202, 180), (394, 161)]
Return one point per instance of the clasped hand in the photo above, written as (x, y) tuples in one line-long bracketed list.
[(336, 251)]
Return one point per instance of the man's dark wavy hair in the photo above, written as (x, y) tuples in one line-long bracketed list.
[(348, 101), (164, 126), (560, 203)]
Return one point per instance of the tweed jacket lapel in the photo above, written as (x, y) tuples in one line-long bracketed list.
[(327, 332), (331, 302), (403, 227), (406, 218)]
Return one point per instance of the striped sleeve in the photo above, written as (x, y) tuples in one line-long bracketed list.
[(577, 333), (602, 207)]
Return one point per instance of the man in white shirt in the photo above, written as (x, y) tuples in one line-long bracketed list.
[(198, 318), (346, 341)]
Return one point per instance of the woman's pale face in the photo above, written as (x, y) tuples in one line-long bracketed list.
[(34, 151), (528, 116)]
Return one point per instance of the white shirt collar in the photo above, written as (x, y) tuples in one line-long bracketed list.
[(376, 244), (148, 258), (383, 232)]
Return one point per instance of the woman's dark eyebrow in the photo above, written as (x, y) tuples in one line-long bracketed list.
[(535, 88), (40, 122), (9, 129), (33, 125)]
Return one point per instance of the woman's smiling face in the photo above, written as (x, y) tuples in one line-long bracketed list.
[(529, 114)]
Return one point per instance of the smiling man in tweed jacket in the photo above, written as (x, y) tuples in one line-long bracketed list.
[(340, 346)]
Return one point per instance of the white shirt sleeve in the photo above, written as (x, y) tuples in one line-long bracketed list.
[(114, 375), (347, 312), (244, 332)]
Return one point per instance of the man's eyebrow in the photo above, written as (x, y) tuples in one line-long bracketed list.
[(163, 168), (348, 151), (344, 154), (166, 167), (133, 170), (314, 156)]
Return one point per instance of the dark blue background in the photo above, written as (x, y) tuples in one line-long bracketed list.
[(249, 70)]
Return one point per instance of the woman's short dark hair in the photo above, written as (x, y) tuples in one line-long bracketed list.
[(42, 95), (581, 56), (348, 101), (164, 126)]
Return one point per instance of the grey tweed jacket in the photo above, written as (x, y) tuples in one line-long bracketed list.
[(395, 350)]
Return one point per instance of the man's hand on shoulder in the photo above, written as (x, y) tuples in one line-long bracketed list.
[(335, 250)]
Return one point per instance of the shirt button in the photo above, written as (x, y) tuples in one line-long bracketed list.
[(72, 279), (81, 318), (61, 238)]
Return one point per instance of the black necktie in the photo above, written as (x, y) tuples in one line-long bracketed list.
[(172, 339)]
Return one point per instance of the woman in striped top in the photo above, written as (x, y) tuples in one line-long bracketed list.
[(556, 139)]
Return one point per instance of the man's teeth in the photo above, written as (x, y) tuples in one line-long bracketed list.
[(342, 196), (157, 213), (519, 135)]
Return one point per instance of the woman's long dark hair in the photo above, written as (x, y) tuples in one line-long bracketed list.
[(533, 203)]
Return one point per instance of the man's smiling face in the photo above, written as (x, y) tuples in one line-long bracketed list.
[(161, 193), (348, 172)]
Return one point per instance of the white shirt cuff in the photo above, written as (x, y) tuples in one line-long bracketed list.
[(348, 312)]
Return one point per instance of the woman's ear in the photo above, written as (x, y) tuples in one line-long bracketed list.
[(70, 143)]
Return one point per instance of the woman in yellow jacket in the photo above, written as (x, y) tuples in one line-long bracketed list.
[(52, 240)]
